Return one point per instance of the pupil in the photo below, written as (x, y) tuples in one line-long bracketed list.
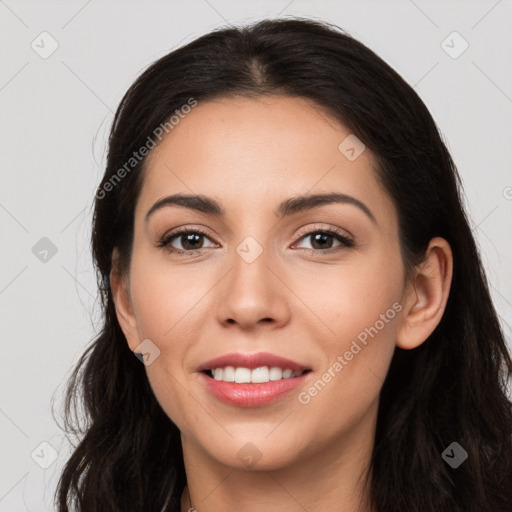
[(188, 240), (323, 236)]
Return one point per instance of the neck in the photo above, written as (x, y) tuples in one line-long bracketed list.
[(335, 479)]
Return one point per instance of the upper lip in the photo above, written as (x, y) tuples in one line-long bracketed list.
[(252, 361)]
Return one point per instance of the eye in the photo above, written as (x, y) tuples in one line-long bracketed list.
[(189, 239), (322, 240)]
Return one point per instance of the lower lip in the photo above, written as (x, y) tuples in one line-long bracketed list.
[(251, 395)]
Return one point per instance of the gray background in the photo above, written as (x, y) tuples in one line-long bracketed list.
[(55, 114)]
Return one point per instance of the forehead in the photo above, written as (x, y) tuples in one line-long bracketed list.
[(250, 152)]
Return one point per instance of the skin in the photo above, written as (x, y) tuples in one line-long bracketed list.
[(249, 155)]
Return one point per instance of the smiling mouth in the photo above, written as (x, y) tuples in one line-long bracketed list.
[(260, 375)]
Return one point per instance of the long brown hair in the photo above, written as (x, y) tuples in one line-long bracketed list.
[(451, 388)]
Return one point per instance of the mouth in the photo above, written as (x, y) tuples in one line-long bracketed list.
[(252, 380)]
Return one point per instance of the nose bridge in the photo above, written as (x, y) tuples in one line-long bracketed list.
[(251, 260), (254, 250)]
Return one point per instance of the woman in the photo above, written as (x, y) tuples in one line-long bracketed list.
[(363, 371)]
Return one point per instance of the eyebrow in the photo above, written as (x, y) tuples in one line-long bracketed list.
[(289, 207)]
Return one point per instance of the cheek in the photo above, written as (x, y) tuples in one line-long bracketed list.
[(165, 299), (351, 296), (359, 305), (167, 305)]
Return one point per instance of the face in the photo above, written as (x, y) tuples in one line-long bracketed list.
[(319, 284)]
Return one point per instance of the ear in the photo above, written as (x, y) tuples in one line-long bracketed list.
[(119, 284), (426, 295)]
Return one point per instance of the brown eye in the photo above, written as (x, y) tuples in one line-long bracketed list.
[(191, 241), (323, 240)]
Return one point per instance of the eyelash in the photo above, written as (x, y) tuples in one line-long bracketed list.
[(346, 241)]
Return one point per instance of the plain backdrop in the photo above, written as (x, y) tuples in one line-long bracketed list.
[(56, 110)]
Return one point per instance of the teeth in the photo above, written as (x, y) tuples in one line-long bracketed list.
[(242, 375), (229, 374), (257, 375), (260, 374)]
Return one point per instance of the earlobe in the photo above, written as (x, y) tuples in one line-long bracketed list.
[(119, 285), (426, 295)]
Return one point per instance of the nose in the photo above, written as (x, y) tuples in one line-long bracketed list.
[(253, 292)]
